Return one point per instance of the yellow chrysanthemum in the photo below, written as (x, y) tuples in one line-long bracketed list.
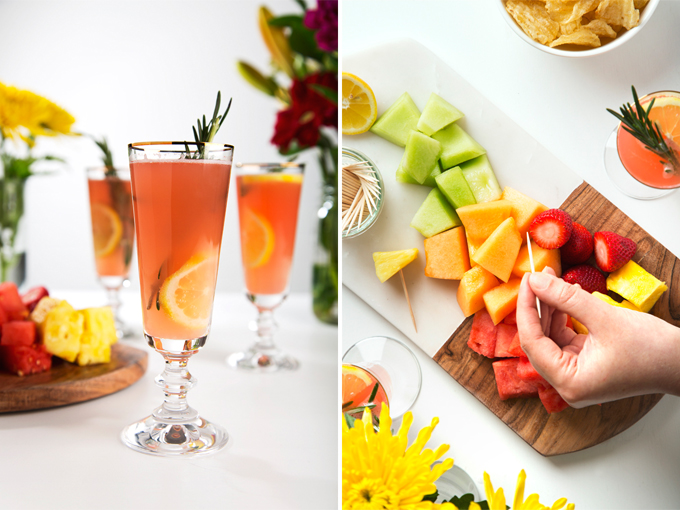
[(27, 115), (380, 472), (496, 499)]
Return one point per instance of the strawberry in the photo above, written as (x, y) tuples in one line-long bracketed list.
[(612, 250), (551, 229), (579, 247), (589, 278)]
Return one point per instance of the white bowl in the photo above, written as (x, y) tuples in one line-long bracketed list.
[(645, 14)]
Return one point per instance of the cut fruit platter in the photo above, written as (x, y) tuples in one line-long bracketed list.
[(464, 179)]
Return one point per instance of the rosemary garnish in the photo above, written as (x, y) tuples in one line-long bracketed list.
[(351, 413), (107, 157), (204, 131), (636, 121)]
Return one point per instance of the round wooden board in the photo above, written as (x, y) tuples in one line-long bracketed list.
[(66, 383)]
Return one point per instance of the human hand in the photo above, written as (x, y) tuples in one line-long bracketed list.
[(625, 352)]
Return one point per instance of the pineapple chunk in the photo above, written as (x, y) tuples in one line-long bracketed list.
[(636, 285), (41, 310), (99, 332), (387, 263), (580, 328), (61, 331)]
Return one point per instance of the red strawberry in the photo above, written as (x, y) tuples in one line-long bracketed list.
[(612, 250), (579, 247), (589, 278), (551, 229)]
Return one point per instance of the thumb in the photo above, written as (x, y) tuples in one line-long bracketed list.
[(568, 298)]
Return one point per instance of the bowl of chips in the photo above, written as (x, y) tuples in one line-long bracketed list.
[(576, 28)]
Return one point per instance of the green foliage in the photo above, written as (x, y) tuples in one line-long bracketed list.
[(301, 38)]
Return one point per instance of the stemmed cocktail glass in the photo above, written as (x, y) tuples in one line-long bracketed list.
[(113, 232), (180, 192), (268, 199)]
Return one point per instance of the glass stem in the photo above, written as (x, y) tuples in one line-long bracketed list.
[(175, 381), (113, 301), (266, 327)]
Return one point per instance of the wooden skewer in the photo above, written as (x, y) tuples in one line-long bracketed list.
[(403, 282), (533, 270)]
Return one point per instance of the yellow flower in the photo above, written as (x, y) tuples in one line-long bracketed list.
[(276, 42), (380, 472), (496, 499), (27, 115)]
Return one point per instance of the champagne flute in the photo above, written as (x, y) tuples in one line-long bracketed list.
[(179, 191)]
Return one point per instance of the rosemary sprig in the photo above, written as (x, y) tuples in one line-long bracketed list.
[(636, 121), (204, 131), (107, 157)]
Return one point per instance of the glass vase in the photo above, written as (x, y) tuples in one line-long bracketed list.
[(325, 276), (12, 249)]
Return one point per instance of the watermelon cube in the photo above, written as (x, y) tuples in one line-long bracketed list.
[(25, 359), (552, 401), (18, 333), (527, 372), (11, 302), (508, 382), (515, 348), (3, 316), (511, 318), (504, 338), (483, 334)]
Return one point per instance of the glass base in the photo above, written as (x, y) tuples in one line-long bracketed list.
[(620, 177), (171, 439), (394, 364), (262, 361)]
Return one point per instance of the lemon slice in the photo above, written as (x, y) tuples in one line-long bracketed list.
[(186, 295), (257, 239), (107, 229), (359, 108)]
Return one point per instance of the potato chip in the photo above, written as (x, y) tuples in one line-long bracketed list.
[(639, 4), (618, 12), (600, 28), (534, 19), (567, 11), (581, 37), (570, 28)]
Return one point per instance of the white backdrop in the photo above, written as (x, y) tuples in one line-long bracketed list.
[(138, 71)]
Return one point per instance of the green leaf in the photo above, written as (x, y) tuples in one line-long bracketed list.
[(327, 92), (257, 79), (432, 497), (287, 21), (350, 420), (373, 393), (301, 38)]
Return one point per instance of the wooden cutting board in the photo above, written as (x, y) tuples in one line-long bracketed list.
[(66, 383), (572, 429), (521, 163)]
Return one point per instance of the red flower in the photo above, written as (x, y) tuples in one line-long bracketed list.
[(309, 111)]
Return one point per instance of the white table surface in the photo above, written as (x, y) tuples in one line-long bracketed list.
[(283, 426), (561, 102)]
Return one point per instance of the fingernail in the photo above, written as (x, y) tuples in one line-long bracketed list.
[(539, 281)]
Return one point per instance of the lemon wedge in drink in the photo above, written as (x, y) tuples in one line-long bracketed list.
[(257, 238), (359, 107), (107, 229), (186, 296)]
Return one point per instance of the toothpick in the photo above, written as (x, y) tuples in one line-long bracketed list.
[(413, 318), (360, 191), (533, 270)]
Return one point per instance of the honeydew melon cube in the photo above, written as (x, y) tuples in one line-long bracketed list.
[(398, 121), (435, 215), (402, 176), (437, 114), (482, 180), (455, 188), (457, 146), (421, 156)]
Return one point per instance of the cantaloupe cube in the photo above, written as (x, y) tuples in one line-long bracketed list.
[(499, 252), (480, 220), (473, 285), (636, 285), (542, 258), (473, 246), (446, 255), (524, 209), (502, 300)]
